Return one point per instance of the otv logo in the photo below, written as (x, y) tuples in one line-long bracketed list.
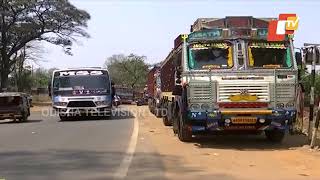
[(286, 25)]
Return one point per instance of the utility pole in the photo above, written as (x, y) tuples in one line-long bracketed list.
[(314, 51)]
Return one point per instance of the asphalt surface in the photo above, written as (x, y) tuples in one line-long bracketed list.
[(47, 148)]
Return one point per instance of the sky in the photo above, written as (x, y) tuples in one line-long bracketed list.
[(149, 27)]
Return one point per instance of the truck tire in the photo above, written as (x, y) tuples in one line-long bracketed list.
[(158, 112), (24, 117), (183, 134), (170, 112), (167, 119), (175, 119), (63, 117), (275, 135)]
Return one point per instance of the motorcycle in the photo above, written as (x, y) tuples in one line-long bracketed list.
[(116, 101)]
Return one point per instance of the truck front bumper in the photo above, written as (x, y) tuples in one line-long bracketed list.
[(10, 116), (223, 120), (84, 111)]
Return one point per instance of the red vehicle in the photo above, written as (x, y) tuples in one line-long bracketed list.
[(161, 81)]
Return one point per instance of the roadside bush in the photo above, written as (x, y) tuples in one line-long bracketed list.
[(306, 81)]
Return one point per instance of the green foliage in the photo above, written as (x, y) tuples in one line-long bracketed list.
[(130, 71), (23, 80), (306, 81), (41, 78), (24, 21)]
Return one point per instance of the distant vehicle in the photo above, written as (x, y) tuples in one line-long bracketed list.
[(81, 92), (116, 101), (126, 94), (142, 101), (14, 105)]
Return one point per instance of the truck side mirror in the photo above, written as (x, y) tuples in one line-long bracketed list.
[(49, 90), (298, 58), (309, 57), (309, 53)]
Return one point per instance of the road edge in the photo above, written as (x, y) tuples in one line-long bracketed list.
[(122, 170)]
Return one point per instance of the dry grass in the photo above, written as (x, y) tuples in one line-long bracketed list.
[(40, 98)]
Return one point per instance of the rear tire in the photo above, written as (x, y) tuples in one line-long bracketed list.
[(158, 112), (24, 117), (63, 117), (275, 135), (166, 121)]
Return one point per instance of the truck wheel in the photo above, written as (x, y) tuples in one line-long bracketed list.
[(63, 117), (175, 120), (158, 112), (24, 117), (183, 134), (170, 113), (275, 135), (166, 121)]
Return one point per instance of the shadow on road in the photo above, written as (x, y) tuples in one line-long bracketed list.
[(249, 142), (94, 165), (18, 122), (116, 115)]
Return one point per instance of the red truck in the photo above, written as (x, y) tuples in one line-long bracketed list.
[(161, 81)]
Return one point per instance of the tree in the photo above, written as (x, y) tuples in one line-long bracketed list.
[(23, 21), (306, 81), (130, 71)]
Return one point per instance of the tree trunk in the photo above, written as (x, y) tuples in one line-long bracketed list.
[(4, 72), (4, 80)]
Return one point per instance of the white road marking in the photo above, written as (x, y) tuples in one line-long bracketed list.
[(122, 171)]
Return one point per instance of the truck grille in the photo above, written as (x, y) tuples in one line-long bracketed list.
[(202, 91), (226, 90), (81, 104), (284, 93)]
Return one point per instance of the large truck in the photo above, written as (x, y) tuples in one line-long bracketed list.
[(81, 92), (126, 94), (152, 95), (228, 78)]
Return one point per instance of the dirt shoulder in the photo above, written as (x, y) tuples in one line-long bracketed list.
[(230, 157)]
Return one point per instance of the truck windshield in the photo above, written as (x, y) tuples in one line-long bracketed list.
[(83, 82), (210, 56), (10, 101), (269, 55)]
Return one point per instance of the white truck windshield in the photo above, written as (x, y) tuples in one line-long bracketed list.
[(210, 56)]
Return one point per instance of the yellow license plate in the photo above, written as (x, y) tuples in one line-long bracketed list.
[(244, 120)]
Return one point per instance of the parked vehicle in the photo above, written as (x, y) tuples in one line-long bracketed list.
[(116, 101), (161, 84), (81, 92), (125, 93), (14, 105), (142, 101), (228, 78)]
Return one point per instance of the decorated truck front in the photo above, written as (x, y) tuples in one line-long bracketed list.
[(231, 78)]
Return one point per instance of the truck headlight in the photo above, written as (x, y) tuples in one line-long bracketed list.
[(290, 104), (205, 106), (280, 105), (60, 103), (195, 107), (102, 103)]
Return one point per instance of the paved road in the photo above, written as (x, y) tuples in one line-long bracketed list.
[(46, 148)]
